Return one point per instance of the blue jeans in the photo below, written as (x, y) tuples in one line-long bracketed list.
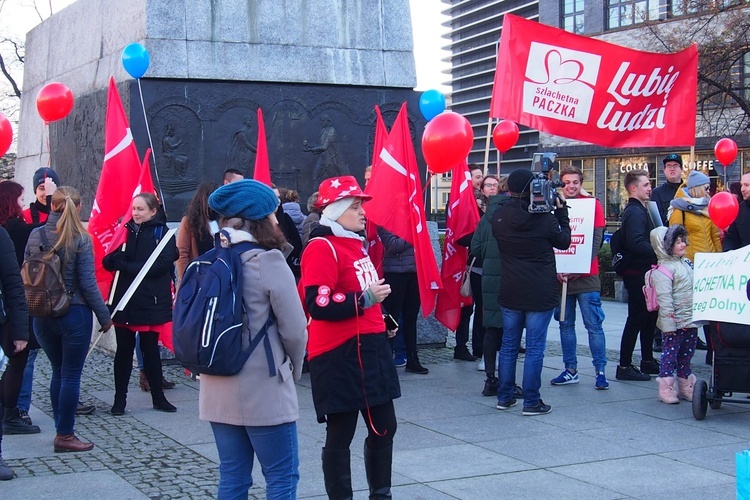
[(277, 451), (593, 316), (24, 397), (66, 341), (536, 324)]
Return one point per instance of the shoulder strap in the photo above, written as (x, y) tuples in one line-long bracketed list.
[(335, 255), (666, 272), (34, 214)]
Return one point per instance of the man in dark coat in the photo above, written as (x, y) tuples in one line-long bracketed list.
[(636, 227), (528, 287), (667, 190), (738, 234)]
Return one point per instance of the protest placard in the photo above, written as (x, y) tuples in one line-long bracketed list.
[(577, 258), (719, 282)]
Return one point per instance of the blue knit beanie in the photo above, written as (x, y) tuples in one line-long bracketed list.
[(43, 173), (249, 199)]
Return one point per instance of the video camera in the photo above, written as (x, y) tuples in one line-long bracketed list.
[(544, 185)]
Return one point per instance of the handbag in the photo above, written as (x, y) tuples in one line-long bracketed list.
[(465, 289)]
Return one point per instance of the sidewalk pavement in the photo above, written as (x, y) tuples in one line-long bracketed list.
[(451, 441)]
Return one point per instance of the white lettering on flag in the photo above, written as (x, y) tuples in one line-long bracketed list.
[(124, 143)]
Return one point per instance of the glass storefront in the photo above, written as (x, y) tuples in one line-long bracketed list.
[(616, 196), (587, 167)]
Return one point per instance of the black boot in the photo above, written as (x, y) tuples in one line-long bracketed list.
[(337, 474), (413, 365), (378, 470), (118, 408), (14, 424)]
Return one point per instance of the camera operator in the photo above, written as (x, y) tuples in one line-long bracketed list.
[(529, 290)]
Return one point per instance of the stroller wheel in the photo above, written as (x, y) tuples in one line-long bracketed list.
[(700, 402)]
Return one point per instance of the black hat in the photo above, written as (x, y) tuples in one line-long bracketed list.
[(43, 173), (519, 180), (672, 157)]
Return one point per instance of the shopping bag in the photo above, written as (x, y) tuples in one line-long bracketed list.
[(743, 475)]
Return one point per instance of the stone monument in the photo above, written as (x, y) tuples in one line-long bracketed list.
[(316, 68)]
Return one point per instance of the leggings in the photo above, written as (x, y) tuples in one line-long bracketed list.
[(677, 350), (341, 427)]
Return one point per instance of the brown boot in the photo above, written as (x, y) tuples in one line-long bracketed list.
[(143, 382), (70, 443)]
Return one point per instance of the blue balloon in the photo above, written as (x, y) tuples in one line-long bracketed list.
[(431, 104), (135, 59)]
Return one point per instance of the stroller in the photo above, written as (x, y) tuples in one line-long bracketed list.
[(731, 369)]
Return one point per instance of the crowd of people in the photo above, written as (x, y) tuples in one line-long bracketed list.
[(348, 320)]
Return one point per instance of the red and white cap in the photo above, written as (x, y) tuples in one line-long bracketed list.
[(338, 188)]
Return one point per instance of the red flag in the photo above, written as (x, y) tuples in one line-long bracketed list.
[(119, 177), (262, 171), (586, 89), (397, 205), (462, 219), (374, 246)]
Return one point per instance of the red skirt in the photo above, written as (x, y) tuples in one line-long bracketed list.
[(164, 331)]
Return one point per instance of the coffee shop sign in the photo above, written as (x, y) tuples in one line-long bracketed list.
[(629, 167), (703, 165)]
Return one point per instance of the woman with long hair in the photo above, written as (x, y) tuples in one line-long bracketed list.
[(350, 359), (66, 339), (150, 307), (195, 236), (15, 420), (251, 413)]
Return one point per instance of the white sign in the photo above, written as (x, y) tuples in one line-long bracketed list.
[(577, 258), (719, 281)]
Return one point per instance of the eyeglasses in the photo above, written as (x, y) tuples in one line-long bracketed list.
[(491, 185), (672, 166)]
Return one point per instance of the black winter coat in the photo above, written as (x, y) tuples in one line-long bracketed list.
[(636, 228), (663, 195), (152, 302), (14, 298), (528, 278), (19, 231), (399, 253), (738, 233)]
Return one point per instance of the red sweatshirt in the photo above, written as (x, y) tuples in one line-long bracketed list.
[(335, 272)]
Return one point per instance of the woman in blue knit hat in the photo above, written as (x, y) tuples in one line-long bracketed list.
[(251, 413)]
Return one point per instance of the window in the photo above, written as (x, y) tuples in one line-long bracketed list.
[(587, 167), (445, 198), (447, 175), (572, 16), (683, 7), (616, 196), (621, 13), (746, 75)]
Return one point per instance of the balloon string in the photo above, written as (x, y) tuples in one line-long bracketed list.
[(46, 141), (150, 142)]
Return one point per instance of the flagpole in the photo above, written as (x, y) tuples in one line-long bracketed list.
[(487, 145), (150, 142)]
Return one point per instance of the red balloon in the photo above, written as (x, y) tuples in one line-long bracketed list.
[(54, 101), (505, 135), (6, 134), (725, 151), (723, 209), (446, 141)]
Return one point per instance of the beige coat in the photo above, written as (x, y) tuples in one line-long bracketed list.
[(252, 398), (675, 296)]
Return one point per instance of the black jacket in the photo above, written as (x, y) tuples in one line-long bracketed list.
[(287, 226), (738, 233), (528, 278), (14, 298), (19, 232), (398, 256), (152, 302), (636, 227), (662, 195)]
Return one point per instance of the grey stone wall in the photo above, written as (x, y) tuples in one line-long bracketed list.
[(339, 42)]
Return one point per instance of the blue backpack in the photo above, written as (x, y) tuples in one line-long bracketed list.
[(208, 313)]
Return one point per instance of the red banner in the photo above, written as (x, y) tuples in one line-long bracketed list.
[(374, 246), (462, 219), (119, 178), (262, 171), (397, 205), (589, 90)]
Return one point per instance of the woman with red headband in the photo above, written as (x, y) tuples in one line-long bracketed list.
[(351, 365)]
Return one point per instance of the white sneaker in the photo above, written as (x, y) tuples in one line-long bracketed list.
[(480, 365)]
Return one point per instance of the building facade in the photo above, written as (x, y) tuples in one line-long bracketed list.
[(475, 30)]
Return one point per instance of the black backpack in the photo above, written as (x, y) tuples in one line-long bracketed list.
[(208, 314), (620, 256)]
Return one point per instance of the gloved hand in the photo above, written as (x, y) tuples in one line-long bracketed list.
[(119, 263)]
